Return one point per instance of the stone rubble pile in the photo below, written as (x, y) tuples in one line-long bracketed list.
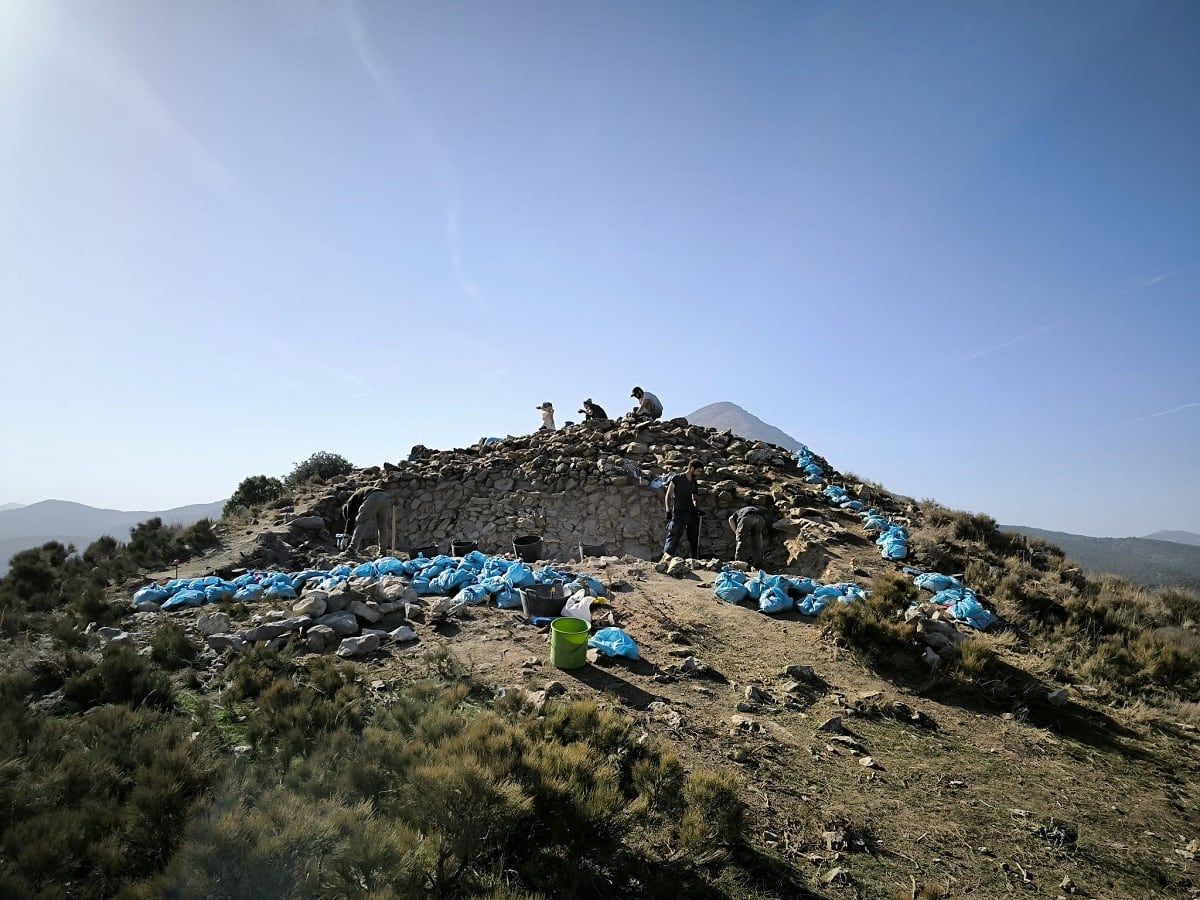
[(593, 483)]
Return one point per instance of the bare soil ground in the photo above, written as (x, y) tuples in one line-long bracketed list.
[(943, 796)]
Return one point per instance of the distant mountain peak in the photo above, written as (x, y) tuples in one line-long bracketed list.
[(726, 415)]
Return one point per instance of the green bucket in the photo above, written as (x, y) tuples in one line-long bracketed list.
[(568, 643)]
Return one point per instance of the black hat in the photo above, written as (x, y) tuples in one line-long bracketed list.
[(636, 391)]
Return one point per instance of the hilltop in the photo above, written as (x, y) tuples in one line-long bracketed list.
[(1053, 754)]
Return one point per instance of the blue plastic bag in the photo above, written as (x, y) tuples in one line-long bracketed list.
[(614, 642), (389, 565), (936, 582), (731, 585), (185, 598), (472, 594), (151, 593), (215, 593), (279, 591), (365, 570), (775, 600), (249, 592)]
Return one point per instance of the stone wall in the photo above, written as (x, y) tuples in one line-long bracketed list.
[(591, 483)]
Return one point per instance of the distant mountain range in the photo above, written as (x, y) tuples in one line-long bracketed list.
[(1143, 561), (1176, 537), (22, 527)]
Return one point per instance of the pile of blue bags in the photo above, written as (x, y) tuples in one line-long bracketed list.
[(474, 578), (779, 594), (956, 598), (838, 496), (814, 474)]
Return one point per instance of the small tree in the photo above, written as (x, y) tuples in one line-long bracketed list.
[(321, 465), (253, 491)]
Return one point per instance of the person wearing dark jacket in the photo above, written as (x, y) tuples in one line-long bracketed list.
[(592, 412), (748, 525), (683, 516)]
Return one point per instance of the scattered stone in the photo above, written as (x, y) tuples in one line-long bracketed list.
[(868, 762), (367, 610), (221, 642), (677, 568), (343, 623), (320, 638), (358, 646), (311, 604), (753, 695), (1061, 697), (801, 673), (746, 707), (402, 634), (554, 688), (213, 623), (832, 726)]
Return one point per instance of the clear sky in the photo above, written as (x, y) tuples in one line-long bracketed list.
[(953, 247)]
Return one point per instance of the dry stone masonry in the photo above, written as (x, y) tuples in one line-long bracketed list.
[(592, 483)]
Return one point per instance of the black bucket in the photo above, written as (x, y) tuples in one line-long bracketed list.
[(428, 552), (528, 548), (462, 548)]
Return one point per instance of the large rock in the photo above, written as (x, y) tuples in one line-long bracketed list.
[(213, 623), (308, 523), (394, 589), (321, 638), (221, 642), (269, 630), (366, 610), (344, 623), (358, 646), (312, 605)]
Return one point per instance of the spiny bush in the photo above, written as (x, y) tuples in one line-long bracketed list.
[(256, 490), (122, 676), (294, 710), (322, 465), (171, 648), (438, 796), (95, 801), (874, 627)]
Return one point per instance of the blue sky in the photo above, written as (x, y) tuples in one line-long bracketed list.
[(953, 247)]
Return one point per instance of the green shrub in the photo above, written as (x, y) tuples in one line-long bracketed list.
[(322, 465), (714, 816), (122, 676), (253, 491), (171, 648), (875, 627)]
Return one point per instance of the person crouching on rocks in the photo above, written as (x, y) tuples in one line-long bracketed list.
[(682, 513), (649, 406), (592, 412), (547, 410)]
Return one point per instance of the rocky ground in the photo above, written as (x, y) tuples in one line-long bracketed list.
[(871, 787)]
